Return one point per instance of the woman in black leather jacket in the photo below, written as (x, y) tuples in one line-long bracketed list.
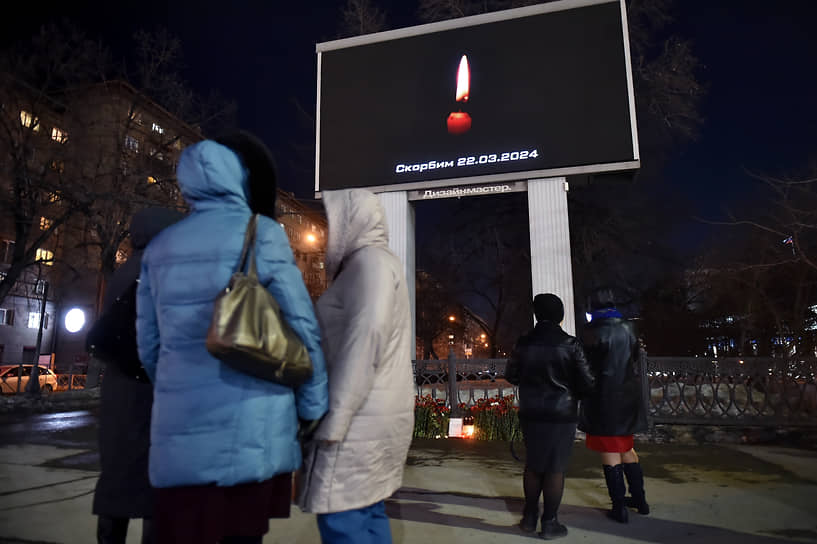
[(616, 409), (550, 369)]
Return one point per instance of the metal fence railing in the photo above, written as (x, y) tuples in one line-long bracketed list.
[(732, 391), (682, 390)]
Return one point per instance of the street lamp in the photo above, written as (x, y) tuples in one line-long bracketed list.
[(74, 320)]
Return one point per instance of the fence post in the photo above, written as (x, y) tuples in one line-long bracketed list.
[(453, 398), (71, 378), (19, 376)]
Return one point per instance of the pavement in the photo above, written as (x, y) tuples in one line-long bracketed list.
[(467, 491)]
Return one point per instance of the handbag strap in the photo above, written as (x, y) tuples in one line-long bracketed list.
[(249, 248)]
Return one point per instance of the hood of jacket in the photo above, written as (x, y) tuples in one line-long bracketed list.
[(356, 220), (212, 175)]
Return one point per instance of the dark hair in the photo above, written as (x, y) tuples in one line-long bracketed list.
[(256, 157), (548, 307), (602, 297)]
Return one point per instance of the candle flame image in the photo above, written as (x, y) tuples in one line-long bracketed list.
[(459, 122), (463, 80)]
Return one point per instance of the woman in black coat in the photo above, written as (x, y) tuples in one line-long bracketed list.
[(550, 369), (123, 491), (616, 409)]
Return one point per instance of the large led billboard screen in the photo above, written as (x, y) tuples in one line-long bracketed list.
[(531, 92)]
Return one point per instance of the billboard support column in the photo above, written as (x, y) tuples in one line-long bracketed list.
[(400, 217), (551, 269)]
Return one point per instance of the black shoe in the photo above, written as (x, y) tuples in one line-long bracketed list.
[(552, 529)]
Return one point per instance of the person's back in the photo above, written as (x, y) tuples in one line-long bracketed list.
[(365, 316), (214, 427), (546, 363), (616, 409), (549, 367), (612, 352)]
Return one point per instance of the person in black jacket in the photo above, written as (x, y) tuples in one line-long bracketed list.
[(616, 409), (550, 369), (123, 491)]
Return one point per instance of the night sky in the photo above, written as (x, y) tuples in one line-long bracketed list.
[(757, 62)]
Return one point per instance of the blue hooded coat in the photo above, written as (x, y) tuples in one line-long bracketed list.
[(212, 424)]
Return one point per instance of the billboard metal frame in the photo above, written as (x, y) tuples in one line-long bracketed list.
[(538, 9)]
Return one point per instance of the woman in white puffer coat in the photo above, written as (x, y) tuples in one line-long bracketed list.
[(358, 452)]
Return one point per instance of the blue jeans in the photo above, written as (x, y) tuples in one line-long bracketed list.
[(368, 525)]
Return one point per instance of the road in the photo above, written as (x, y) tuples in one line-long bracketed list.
[(66, 429)]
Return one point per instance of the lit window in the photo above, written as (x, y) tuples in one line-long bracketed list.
[(151, 179), (45, 223), (33, 320), (131, 143), (6, 316), (54, 197), (158, 129), (29, 121), (7, 251), (59, 135), (47, 257), (58, 166)]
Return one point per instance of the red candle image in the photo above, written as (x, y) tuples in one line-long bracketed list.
[(460, 122)]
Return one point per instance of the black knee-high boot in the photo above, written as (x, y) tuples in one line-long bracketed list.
[(614, 476), (635, 481), (148, 531), (111, 530)]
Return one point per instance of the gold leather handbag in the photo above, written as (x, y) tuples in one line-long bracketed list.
[(247, 331)]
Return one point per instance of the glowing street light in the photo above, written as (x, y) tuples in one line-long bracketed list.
[(74, 320), (451, 318), (311, 238)]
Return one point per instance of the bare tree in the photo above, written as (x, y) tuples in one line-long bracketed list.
[(771, 260), (361, 17), (89, 145), (39, 197), (434, 306), (478, 255)]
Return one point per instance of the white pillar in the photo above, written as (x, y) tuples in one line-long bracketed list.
[(400, 217), (551, 270)]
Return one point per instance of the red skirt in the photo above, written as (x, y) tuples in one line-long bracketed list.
[(207, 513), (609, 444)]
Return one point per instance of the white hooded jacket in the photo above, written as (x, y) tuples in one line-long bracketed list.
[(360, 448)]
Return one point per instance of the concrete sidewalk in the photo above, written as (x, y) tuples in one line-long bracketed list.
[(466, 491)]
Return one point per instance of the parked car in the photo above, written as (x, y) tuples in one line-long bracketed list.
[(9, 378)]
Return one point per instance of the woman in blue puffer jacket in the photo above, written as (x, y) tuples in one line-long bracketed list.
[(223, 443)]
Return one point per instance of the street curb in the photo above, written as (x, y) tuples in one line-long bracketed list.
[(61, 401)]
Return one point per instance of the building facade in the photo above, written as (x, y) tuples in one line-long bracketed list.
[(74, 170)]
